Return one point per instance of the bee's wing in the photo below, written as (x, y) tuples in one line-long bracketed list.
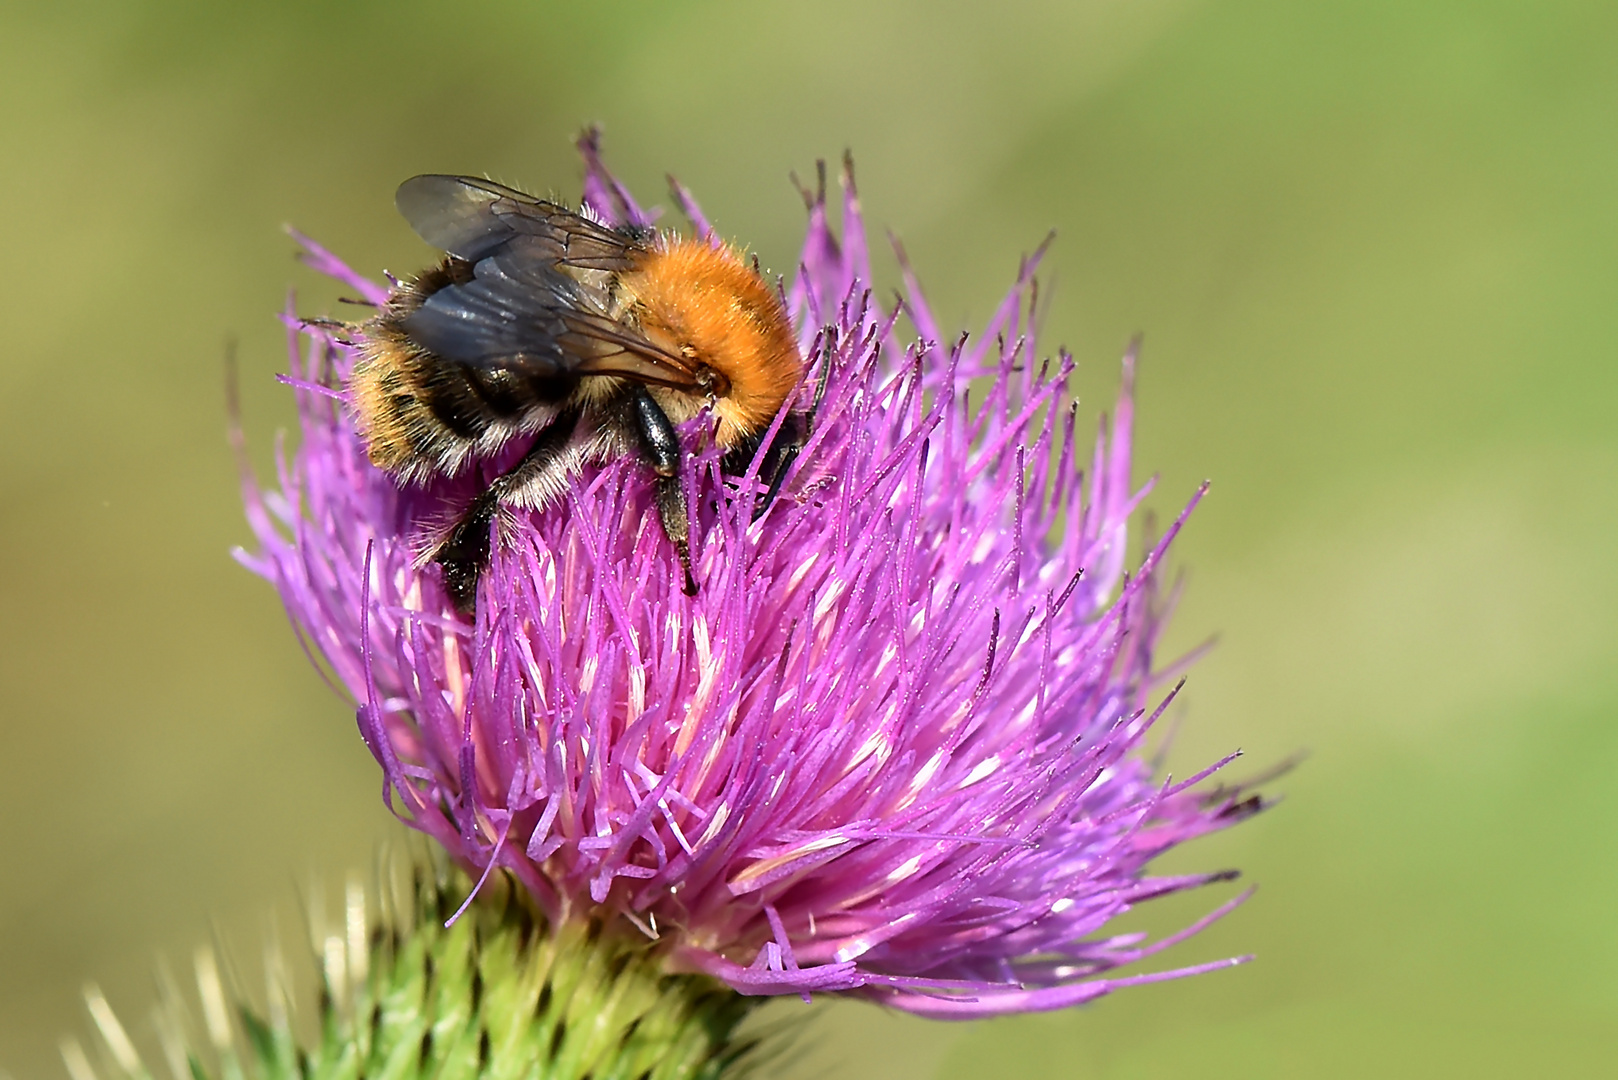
[(538, 299), (472, 218), (522, 310)]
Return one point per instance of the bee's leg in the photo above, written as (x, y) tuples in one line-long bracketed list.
[(783, 452), (465, 552), (660, 444), (779, 455), (789, 439)]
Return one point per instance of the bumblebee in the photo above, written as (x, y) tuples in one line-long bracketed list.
[(586, 340)]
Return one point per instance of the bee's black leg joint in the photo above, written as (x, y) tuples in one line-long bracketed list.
[(465, 553), (660, 444)]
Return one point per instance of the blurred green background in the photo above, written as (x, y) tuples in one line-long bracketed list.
[(1374, 250)]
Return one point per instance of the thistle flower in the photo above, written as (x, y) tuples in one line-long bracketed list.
[(892, 745)]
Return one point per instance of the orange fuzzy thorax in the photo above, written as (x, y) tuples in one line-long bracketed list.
[(704, 303)]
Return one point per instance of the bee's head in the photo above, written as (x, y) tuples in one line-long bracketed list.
[(704, 304)]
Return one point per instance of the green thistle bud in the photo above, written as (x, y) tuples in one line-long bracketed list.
[(498, 993)]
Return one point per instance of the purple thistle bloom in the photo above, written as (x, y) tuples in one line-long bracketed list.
[(891, 746)]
